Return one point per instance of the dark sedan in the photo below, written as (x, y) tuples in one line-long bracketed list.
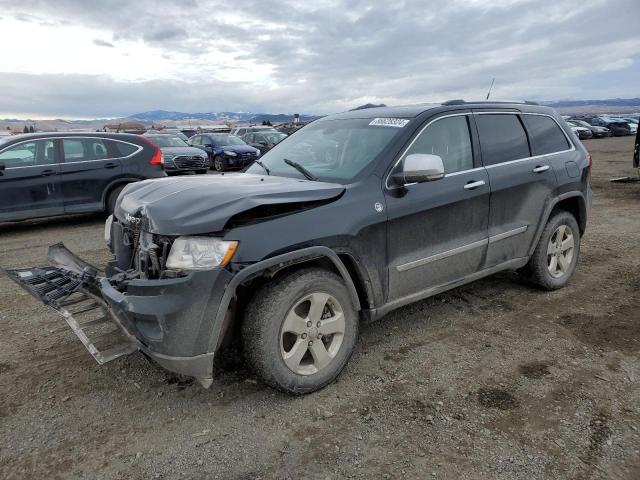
[(225, 151), (48, 174), (177, 156)]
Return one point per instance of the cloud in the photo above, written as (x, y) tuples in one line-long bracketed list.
[(330, 55), (103, 43)]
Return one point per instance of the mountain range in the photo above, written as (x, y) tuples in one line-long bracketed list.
[(158, 115), (613, 105)]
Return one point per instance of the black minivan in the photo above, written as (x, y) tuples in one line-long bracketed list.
[(46, 174)]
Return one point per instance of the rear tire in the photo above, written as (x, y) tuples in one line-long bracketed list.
[(300, 331), (112, 198), (555, 258)]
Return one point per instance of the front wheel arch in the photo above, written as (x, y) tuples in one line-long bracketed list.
[(264, 271)]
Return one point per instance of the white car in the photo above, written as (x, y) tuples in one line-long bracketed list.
[(580, 132)]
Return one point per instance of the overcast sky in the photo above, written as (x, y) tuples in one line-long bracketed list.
[(85, 59)]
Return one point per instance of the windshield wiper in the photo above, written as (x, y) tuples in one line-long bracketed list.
[(308, 175), (263, 166)]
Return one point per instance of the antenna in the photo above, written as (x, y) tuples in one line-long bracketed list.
[(489, 92)]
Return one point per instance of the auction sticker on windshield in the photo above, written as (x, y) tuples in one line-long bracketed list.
[(390, 122)]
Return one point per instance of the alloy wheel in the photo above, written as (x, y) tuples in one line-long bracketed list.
[(312, 333), (560, 251)]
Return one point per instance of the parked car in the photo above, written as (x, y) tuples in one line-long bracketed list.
[(241, 131), (47, 174), (618, 128), (264, 141), (169, 131), (178, 156), (597, 132), (582, 133), (291, 127), (352, 217), (189, 132), (225, 151)]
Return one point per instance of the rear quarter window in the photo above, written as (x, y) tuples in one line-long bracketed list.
[(502, 138), (123, 149), (546, 136)]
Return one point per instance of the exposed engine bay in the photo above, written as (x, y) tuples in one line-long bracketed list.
[(139, 254)]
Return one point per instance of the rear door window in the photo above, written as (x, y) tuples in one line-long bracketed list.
[(502, 138), (96, 149), (546, 136)]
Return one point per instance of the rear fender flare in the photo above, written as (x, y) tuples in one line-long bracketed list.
[(549, 209)]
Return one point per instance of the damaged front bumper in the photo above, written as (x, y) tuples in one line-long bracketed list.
[(173, 321)]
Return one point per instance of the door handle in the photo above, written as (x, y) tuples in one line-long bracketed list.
[(47, 173), (473, 185), (110, 165), (541, 168)]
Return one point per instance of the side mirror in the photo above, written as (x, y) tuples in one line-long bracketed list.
[(418, 168)]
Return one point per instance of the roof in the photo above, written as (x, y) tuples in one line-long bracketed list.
[(413, 111), (38, 135), (403, 111)]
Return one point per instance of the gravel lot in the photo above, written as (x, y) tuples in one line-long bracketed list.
[(492, 380)]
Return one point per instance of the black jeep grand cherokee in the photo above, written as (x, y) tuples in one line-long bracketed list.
[(353, 216)]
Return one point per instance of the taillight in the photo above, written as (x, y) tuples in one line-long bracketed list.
[(589, 162), (157, 158)]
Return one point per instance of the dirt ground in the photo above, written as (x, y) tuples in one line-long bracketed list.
[(494, 380)]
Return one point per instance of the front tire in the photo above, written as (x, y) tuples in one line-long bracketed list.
[(300, 331), (555, 258), (218, 164)]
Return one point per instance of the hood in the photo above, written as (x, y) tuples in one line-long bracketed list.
[(191, 151), (204, 204), (239, 148)]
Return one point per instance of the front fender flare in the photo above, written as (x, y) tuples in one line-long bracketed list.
[(297, 256)]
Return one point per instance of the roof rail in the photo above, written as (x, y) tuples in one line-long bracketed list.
[(464, 102), (454, 102)]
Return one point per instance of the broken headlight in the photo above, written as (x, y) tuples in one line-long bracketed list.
[(107, 230), (200, 253)]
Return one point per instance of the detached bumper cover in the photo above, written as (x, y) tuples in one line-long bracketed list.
[(173, 321)]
